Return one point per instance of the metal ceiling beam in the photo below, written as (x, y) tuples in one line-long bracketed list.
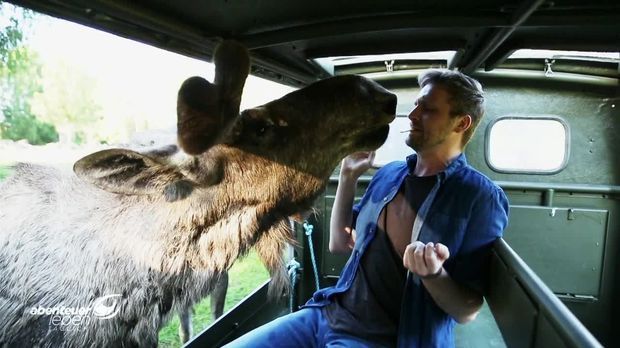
[(120, 18), (609, 17), (386, 46), (499, 56), (271, 69), (498, 36), (458, 56), (600, 44), (110, 14), (383, 23), (379, 23), (159, 28)]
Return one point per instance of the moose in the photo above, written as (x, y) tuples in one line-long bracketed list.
[(147, 140), (103, 255), (218, 299)]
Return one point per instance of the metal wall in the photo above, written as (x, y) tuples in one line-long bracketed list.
[(566, 225)]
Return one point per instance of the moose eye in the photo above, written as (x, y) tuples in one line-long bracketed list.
[(263, 129)]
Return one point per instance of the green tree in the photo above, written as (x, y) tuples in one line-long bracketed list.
[(68, 101), (20, 73)]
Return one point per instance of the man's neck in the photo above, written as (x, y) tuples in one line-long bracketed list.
[(433, 162)]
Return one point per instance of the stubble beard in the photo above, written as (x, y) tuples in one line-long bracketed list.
[(420, 142)]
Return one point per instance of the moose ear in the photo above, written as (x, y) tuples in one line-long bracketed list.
[(206, 112), (131, 173)]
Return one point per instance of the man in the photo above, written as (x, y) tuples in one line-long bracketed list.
[(419, 238)]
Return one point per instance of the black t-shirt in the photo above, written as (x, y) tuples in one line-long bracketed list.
[(371, 307)]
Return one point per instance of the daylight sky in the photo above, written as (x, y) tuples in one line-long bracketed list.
[(131, 76)]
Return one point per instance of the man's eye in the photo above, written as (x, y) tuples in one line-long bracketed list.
[(428, 108)]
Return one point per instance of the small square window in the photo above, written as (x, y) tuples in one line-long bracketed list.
[(535, 145)]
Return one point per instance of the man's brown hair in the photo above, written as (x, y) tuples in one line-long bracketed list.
[(466, 95)]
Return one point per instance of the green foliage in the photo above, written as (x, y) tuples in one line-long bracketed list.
[(18, 126), (20, 74), (69, 102), (244, 277), (79, 138), (4, 171), (10, 38)]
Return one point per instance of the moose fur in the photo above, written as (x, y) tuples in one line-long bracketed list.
[(156, 229)]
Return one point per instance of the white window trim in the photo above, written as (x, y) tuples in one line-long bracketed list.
[(567, 144)]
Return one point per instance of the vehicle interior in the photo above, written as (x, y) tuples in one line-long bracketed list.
[(551, 72)]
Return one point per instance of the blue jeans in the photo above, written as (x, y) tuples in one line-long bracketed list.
[(307, 327)]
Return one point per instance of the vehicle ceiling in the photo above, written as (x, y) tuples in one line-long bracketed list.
[(286, 36)]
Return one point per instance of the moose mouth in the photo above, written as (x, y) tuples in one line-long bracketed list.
[(374, 138)]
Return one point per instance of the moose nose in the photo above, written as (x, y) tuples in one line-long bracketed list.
[(389, 103)]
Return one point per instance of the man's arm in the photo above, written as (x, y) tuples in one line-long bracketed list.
[(342, 234), (459, 301)]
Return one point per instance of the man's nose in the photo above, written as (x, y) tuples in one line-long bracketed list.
[(414, 114)]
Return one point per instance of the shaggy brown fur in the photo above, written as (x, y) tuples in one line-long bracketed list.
[(156, 230)]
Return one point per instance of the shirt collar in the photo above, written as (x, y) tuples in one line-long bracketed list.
[(459, 162)]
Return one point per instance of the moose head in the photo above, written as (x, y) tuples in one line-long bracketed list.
[(158, 228), (241, 175)]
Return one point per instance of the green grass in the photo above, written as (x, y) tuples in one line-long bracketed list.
[(5, 170), (244, 276)]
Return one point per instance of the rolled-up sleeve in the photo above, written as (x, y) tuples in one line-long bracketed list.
[(487, 221)]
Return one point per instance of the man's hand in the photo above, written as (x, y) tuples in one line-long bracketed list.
[(425, 260), (342, 235)]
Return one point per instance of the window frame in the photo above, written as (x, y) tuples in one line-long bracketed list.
[(567, 144)]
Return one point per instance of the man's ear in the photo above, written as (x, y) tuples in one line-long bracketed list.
[(463, 123), (130, 173)]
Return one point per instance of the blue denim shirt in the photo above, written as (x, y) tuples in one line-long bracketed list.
[(465, 211)]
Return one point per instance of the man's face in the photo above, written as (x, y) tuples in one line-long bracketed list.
[(431, 123)]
